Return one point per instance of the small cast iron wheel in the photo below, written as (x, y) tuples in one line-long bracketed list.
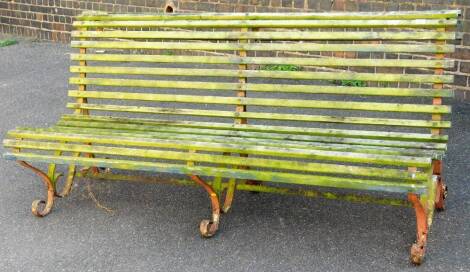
[(207, 228), (416, 254)]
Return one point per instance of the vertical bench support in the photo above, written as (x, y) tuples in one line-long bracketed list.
[(441, 188)]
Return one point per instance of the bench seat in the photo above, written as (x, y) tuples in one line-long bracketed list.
[(317, 157)]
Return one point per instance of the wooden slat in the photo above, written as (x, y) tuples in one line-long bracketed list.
[(390, 15), (251, 139), (268, 116), (194, 72), (267, 35), (349, 157), (286, 88), (324, 61), (298, 47), (328, 23), (162, 129), (220, 159), (417, 140), (288, 178), (269, 102)]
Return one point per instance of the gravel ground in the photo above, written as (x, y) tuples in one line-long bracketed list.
[(154, 227)]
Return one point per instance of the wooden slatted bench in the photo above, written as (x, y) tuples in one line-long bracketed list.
[(256, 102)]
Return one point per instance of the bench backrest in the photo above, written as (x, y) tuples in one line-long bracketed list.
[(374, 71)]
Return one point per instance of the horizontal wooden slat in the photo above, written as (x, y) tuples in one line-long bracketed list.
[(249, 139), (417, 140), (116, 127), (285, 152), (314, 47), (287, 88), (270, 102), (324, 61), (228, 173), (328, 23), (262, 115), (267, 35), (434, 14), (194, 72), (218, 159)]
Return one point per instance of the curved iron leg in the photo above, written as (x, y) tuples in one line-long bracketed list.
[(49, 202), (229, 195), (418, 248), (68, 182), (209, 227)]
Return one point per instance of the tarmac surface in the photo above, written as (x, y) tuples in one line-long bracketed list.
[(155, 227)]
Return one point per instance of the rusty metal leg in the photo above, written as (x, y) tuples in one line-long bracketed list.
[(68, 182), (419, 247), (209, 227), (441, 195), (229, 195), (49, 202)]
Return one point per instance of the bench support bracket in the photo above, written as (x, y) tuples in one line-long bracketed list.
[(418, 248), (209, 227)]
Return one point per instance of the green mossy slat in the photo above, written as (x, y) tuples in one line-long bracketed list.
[(267, 35), (417, 138), (248, 141), (267, 102), (114, 127), (324, 61), (327, 23), (219, 159), (276, 88), (289, 178), (313, 47), (378, 77), (232, 148), (263, 115), (389, 15)]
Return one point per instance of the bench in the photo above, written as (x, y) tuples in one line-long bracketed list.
[(334, 105)]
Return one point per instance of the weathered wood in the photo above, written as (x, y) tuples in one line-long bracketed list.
[(262, 115), (236, 148), (380, 77), (389, 15), (242, 101), (192, 157), (340, 23), (267, 35), (283, 131), (347, 47), (407, 149), (327, 61)]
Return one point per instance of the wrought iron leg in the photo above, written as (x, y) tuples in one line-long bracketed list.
[(49, 202), (68, 182), (418, 248), (209, 227), (229, 195)]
